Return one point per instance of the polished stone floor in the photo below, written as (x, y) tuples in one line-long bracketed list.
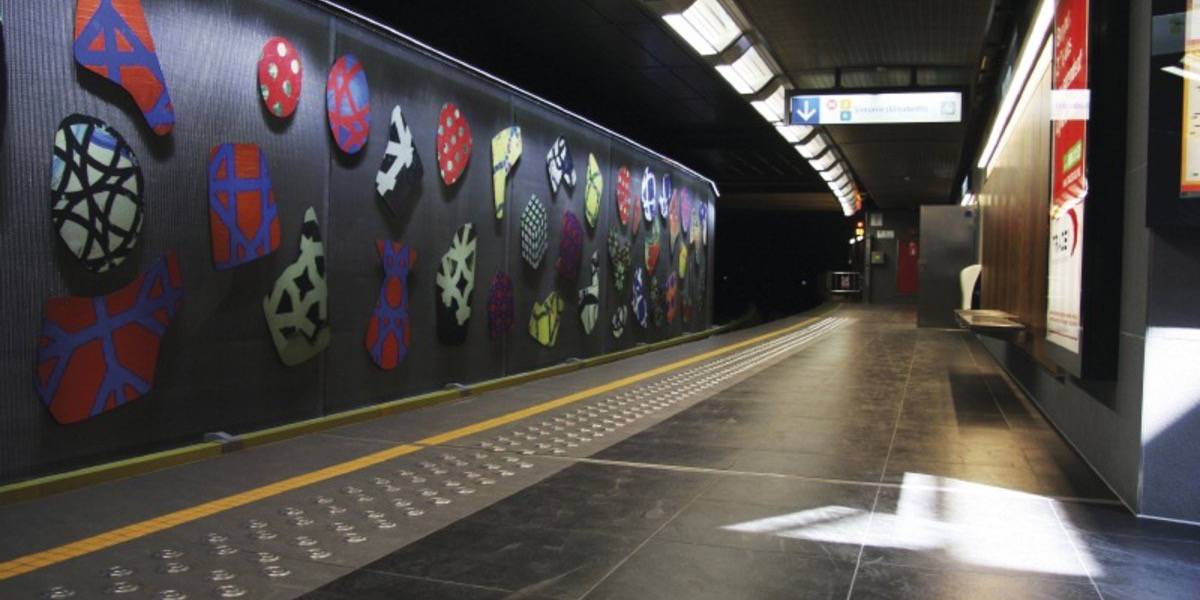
[(850, 455), (883, 462)]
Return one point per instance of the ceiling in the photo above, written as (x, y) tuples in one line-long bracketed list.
[(617, 63)]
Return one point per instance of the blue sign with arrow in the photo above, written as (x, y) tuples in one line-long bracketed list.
[(806, 110)]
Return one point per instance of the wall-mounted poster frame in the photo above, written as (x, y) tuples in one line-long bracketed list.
[(1173, 161), (1090, 46), (1069, 183)]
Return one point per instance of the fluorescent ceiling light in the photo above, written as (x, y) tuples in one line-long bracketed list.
[(825, 161), (1030, 50), (793, 133), (771, 108), (969, 200), (833, 173), (814, 147), (705, 25), (839, 183), (748, 74), (1181, 72)]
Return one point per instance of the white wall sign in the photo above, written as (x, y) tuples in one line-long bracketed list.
[(874, 109)]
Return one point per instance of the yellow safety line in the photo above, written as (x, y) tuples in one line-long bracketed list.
[(45, 558)]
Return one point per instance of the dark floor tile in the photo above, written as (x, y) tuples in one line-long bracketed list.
[(670, 453), (554, 507), (1134, 567), (904, 583), (1116, 520), (374, 585), (671, 570), (533, 561), (616, 481), (851, 467), (788, 492)]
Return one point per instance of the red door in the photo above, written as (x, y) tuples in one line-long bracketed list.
[(906, 267)]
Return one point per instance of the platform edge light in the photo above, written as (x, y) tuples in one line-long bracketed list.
[(1031, 48)]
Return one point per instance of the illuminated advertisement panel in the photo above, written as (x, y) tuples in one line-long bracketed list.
[(1069, 183), (1189, 176)]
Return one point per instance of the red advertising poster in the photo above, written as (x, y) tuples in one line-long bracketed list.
[(1069, 185), (907, 281)]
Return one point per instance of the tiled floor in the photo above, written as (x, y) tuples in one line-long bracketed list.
[(858, 457), (883, 462)]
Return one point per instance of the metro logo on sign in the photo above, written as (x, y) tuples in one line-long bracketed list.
[(867, 109)]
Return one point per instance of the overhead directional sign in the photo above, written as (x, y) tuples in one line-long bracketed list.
[(874, 109)]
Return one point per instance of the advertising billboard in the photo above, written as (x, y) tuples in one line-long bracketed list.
[(1069, 181)]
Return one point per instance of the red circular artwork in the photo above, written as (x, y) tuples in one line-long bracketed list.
[(280, 75), (453, 143), (623, 194)]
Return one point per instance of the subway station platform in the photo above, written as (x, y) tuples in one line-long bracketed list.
[(839, 454)]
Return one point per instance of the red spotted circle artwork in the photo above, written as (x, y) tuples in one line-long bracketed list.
[(388, 333), (280, 76), (112, 39), (453, 143), (242, 215), (96, 354)]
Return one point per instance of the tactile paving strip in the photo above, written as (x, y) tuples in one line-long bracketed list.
[(297, 541)]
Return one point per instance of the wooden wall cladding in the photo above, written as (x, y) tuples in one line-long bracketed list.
[(1015, 205)]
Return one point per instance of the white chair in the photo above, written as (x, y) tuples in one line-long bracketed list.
[(967, 278)]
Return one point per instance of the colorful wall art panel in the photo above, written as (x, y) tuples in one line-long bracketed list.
[(348, 104), (649, 195), (560, 167), (501, 308), (95, 192), (388, 332), (670, 289), (112, 39), (243, 218), (683, 261), (280, 77), (589, 297), (545, 318), (593, 192), (534, 232), (620, 318), (399, 178), (666, 191), (297, 310), (624, 191), (641, 312), (455, 282), (506, 150), (653, 245), (570, 248), (673, 223), (96, 354), (654, 298), (619, 256), (453, 143)]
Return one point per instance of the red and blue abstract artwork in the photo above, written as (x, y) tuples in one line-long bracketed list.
[(242, 215), (113, 40), (388, 332), (348, 104), (96, 354)]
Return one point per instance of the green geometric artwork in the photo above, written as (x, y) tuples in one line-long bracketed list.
[(297, 310)]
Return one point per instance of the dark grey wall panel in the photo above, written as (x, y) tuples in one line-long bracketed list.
[(218, 370)]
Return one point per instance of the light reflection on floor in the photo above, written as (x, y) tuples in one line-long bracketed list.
[(973, 524)]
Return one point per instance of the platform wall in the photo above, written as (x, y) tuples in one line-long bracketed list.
[(218, 369)]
